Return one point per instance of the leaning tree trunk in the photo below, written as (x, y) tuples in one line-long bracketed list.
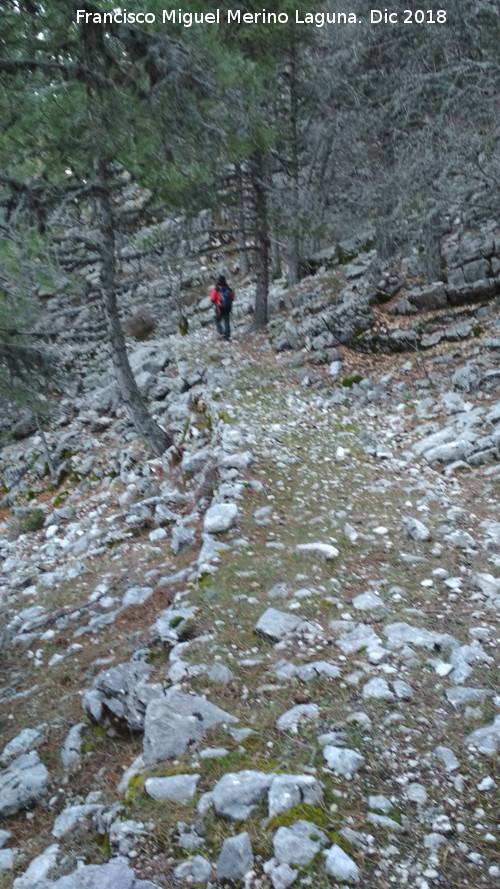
[(261, 249), (293, 240), (242, 221), (156, 437)]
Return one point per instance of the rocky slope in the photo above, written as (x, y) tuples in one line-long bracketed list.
[(273, 661)]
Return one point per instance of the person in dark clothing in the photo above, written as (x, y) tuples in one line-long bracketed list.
[(222, 297)]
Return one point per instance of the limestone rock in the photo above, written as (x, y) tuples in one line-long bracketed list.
[(8, 858), (278, 625), (235, 858), (299, 843), (24, 782), (342, 760), (291, 719), (194, 870), (281, 875), (340, 865), (487, 739), (368, 602), (416, 529), (175, 721), (71, 816), (23, 742), (183, 537), (236, 794), (121, 693), (124, 835), (287, 791), (324, 551), (378, 688), (71, 749), (116, 874), (220, 517), (35, 875), (180, 788)]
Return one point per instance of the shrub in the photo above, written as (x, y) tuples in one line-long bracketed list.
[(30, 521), (350, 381), (141, 325)]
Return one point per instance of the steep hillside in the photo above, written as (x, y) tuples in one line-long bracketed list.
[(269, 657)]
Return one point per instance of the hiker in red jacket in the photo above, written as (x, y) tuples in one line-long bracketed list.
[(222, 297)]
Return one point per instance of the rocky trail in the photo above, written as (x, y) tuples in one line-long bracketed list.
[(275, 661)]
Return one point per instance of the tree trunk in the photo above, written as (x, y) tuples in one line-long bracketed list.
[(45, 447), (293, 240), (242, 227), (156, 437), (261, 248), (275, 256), (432, 232)]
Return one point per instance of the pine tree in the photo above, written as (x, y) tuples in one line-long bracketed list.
[(91, 97)]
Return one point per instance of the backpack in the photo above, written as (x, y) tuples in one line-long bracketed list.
[(226, 303)]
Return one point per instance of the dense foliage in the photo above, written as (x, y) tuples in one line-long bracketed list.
[(326, 129)]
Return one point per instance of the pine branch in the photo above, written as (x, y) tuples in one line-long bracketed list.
[(13, 66), (22, 361)]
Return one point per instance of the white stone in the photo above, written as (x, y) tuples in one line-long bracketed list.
[(416, 793), (287, 791), (220, 517), (378, 688), (486, 784), (335, 368), (194, 870), (442, 824), (22, 783), (180, 788), (157, 534), (340, 865), (362, 636), (8, 858), (403, 691), (70, 816), (34, 876), (416, 529), (368, 602), (26, 740), (342, 760), (291, 719), (486, 739), (323, 550), (447, 757), (136, 595), (380, 802), (442, 668)]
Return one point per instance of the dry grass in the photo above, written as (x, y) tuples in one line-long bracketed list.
[(141, 326)]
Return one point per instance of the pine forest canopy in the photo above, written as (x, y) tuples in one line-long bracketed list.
[(407, 108), (330, 124)]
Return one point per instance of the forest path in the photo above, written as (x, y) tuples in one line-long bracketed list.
[(403, 611), (347, 617)]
